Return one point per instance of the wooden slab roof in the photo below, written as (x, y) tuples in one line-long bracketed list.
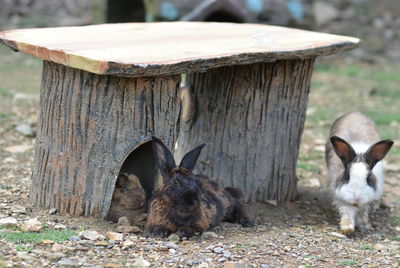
[(165, 48)]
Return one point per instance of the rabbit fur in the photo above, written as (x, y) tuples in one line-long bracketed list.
[(354, 156), (188, 203)]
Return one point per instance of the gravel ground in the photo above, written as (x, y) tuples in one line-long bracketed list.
[(300, 234)]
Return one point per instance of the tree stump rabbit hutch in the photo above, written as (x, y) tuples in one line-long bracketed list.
[(106, 89)]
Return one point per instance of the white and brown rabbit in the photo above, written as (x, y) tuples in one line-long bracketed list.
[(188, 203), (355, 171)]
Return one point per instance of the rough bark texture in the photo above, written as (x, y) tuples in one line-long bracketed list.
[(251, 117), (88, 125)]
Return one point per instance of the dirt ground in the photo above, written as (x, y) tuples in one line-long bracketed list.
[(299, 234)]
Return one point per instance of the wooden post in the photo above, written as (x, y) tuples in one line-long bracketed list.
[(88, 125), (251, 117)]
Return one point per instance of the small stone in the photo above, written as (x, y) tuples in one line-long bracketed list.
[(128, 244), (52, 211), (235, 265), (55, 256), (114, 236), (337, 235), (89, 235), (25, 129), (287, 248), (113, 265), (18, 209), (128, 229), (66, 262), (31, 225), (139, 263), (173, 238), (209, 235), (59, 226), (57, 247), (103, 243), (48, 242), (218, 250), (25, 256), (203, 265), (379, 247), (264, 265), (8, 222), (18, 148), (9, 160), (74, 238), (124, 221), (171, 245)]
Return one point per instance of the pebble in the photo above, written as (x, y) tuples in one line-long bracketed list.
[(57, 247), (18, 209), (235, 265), (89, 235), (218, 250), (66, 262), (139, 263), (114, 236), (25, 129), (103, 243), (74, 238), (52, 211), (128, 229), (8, 222), (55, 256), (209, 235), (128, 244), (31, 225), (47, 242), (379, 247), (335, 234), (171, 245), (203, 265), (173, 238), (59, 226), (25, 256), (124, 221)]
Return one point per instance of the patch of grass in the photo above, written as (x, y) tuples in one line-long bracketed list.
[(317, 258), (367, 247), (5, 93), (31, 237), (346, 262), (394, 238), (307, 166), (395, 220), (23, 248)]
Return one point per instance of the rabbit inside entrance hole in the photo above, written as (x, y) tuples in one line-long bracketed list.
[(134, 184)]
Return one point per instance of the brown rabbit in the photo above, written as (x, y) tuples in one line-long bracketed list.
[(188, 203), (128, 198)]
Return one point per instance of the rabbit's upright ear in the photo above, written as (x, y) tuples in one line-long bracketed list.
[(377, 152), (343, 150), (163, 157), (189, 160)]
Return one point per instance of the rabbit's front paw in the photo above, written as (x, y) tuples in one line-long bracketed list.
[(247, 222), (185, 232), (160, 231), (346, 226)]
